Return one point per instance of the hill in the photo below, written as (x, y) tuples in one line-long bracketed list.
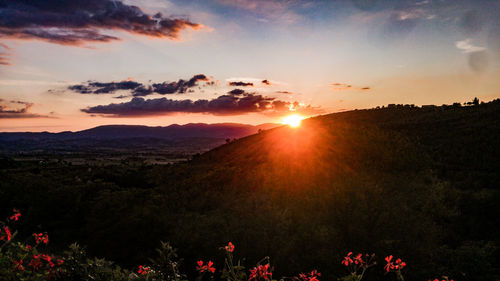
[(418, 183), (199, 130), (114, 143)]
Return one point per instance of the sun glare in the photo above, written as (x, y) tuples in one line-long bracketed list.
[(292, 120)]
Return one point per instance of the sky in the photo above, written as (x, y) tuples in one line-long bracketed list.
[(73, 65)]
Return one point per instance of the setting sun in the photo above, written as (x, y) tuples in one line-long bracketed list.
[(292, 120)]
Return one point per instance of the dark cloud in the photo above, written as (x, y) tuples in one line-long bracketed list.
[(341, 86), (9, 110), (229, 104), (93, 87), (121, 97), (241, 83), (266, 82), (142, 91), (236, 92), (77, 22), (178, 87), (138, 89), (344, 87)]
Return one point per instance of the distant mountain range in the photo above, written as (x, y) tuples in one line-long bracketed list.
[(175, 131), (186, 139)]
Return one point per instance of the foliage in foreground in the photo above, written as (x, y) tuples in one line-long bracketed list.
[(31, 261)]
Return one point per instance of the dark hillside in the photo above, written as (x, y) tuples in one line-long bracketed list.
[(418, 183)]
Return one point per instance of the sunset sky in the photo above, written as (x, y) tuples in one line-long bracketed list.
[(72, 65)]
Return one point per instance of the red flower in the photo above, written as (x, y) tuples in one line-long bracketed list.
[(358, 259), (16, 215), (347, 259), (19, 265), (48, 259), (41, 238), (35, 263), (27, 248), (7, 234), (260, 272), (313, 276), (397, 265), (229, 247), (389, 264), (315, 273), (143, 270), (203, 268)]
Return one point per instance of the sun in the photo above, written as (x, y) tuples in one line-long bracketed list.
[(292, 120)]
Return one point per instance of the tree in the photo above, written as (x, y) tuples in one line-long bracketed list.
[(475, 101)]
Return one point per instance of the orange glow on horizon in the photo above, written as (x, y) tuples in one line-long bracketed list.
[(292, 120)]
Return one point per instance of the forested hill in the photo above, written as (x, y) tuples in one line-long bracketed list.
[(418, 183), (462, 141)]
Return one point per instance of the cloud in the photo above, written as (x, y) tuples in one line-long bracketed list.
[(178, 87), (345, 87), (275, 10), (3, 54), (4, 60), (93, 87), (240, 83), (77, 22), (402, 17), (236, 92), (284, 92), (266, 82), (138, 89), (9, 110), (233, 103), (467, 47)]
